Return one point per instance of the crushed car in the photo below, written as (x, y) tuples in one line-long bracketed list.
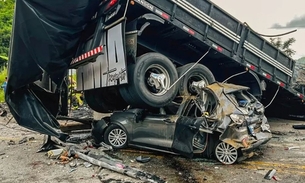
[(224, 121)]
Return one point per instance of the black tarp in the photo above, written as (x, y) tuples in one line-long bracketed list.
[(44, 39)]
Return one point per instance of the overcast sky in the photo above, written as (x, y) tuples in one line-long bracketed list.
[(271, 17)]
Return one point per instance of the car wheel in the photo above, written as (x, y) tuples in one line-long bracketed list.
[(197, 73), (116, 137), (149, 81), (226, 154), (105, 100)]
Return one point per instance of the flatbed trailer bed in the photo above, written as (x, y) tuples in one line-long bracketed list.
[(235, 42)]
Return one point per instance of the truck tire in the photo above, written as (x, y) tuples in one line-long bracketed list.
[(142, 90), (129, 97), (105, 100), (197, 73)]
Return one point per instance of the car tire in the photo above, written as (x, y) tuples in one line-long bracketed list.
[(142, 90), (197, 73), (116, 137), (226, 154), (105, 100)]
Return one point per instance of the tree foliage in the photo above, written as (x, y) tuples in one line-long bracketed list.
[(6, 20), (285, 46), (3, 74)]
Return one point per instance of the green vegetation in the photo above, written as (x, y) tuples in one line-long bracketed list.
[(301, 60), (6, 20), (284, 45), (3, 58), (3, 62), (3, 74)]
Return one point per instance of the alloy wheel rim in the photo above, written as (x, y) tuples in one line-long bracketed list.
[(117, 137), (226, 153)]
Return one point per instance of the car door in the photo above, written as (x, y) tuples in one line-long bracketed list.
[(154, 131)]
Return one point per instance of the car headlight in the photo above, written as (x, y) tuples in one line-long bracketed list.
[(238, 118)]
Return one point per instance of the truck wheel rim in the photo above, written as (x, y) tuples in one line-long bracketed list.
[(157, 88), (192, 79), (226, 153), (117, 137)]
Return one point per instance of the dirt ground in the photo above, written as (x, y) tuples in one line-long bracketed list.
[(21, 163)]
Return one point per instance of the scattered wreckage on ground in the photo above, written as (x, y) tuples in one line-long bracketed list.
[(224, 121)]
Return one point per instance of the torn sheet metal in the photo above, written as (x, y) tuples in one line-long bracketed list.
[(239, 116)]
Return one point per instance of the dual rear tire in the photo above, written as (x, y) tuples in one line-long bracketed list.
[(151, 81), (150, 85)]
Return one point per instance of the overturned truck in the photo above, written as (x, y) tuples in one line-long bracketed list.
[(135, 54)]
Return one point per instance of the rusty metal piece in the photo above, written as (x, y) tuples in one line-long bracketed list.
[(64, 159)]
